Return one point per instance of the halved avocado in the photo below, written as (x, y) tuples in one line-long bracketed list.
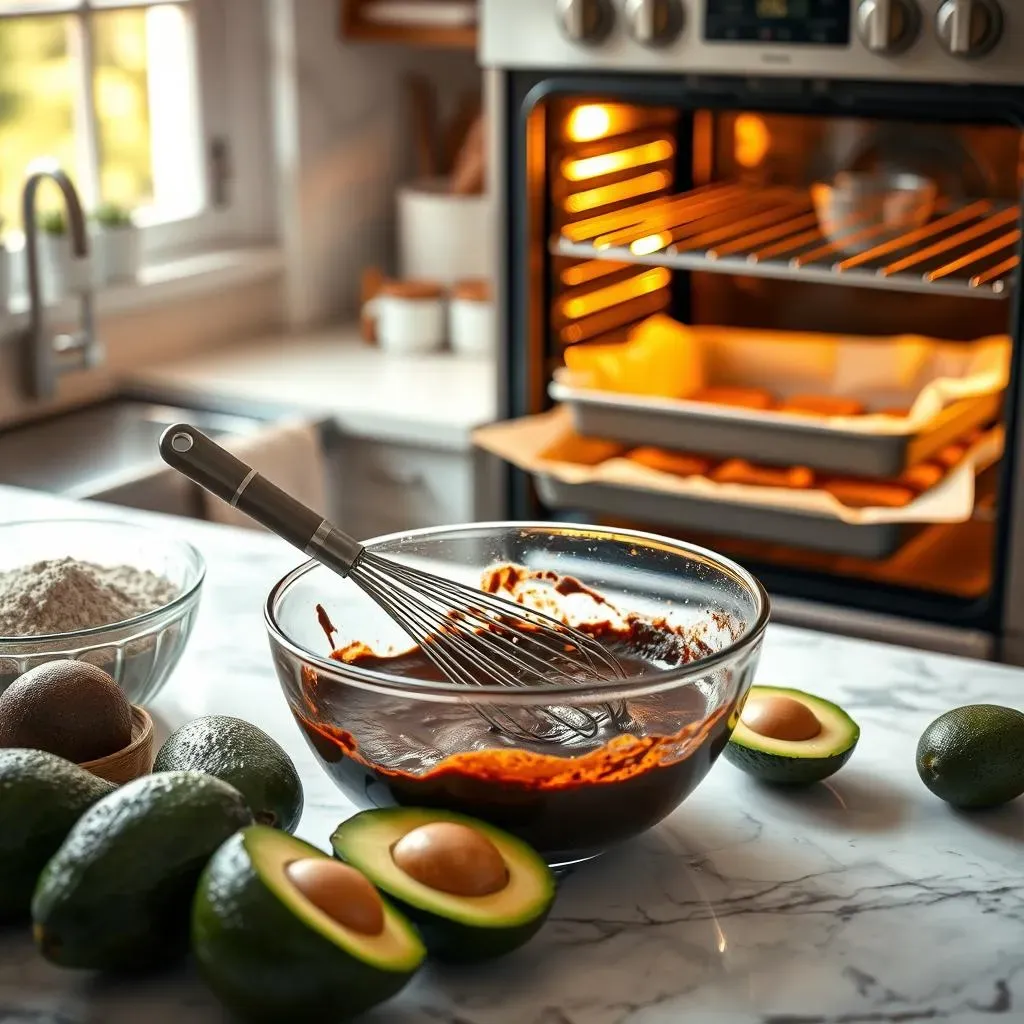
[(791, 761), (269, 953), (455, 928)]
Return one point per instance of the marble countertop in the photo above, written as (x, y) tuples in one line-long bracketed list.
[(430, 400), (865, 900)]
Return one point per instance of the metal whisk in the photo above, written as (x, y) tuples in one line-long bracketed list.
[(472, 637)]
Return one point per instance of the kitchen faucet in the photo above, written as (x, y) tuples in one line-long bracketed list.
[(45, 357)]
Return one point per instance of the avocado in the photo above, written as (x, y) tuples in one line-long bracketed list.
[(791, 737), (243, 756), (269, 952), (68, 708), (41, 798), (456, 926), (973, 756), (116, 895)]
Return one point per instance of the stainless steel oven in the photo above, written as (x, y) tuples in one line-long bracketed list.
[(659, 158)]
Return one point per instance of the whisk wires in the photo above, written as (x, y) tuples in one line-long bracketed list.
[(475, 638)]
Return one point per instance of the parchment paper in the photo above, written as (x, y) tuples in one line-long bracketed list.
[(527, 442), (911, 372)]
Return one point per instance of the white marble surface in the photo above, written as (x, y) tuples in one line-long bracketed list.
[(863, 901), (432, 400)]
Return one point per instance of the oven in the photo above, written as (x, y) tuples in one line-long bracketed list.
[(814, 196)]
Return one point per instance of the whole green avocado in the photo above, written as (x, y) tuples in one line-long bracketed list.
[(41, 798), (117, 894), (973, 756), (243, 756)]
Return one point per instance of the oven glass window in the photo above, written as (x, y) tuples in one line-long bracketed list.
[(789, 337)]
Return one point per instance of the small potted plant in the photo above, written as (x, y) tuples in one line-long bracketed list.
[(117, 243), (56, 269)]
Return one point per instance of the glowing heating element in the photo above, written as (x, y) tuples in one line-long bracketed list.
[(620, 160), (605, 195), (622, 291), (583, 273), (650, 243)]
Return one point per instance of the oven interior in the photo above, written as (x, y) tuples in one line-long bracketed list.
[(709, 216)]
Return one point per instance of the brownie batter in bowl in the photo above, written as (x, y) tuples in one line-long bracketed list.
[(685, 624)]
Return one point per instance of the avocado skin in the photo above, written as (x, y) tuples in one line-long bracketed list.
[(243, 756), (454, 943), (973, 757), (263, 963), (116, 895), (786, 771), (41, 798)]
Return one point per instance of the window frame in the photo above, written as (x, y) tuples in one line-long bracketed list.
[(233, 101)]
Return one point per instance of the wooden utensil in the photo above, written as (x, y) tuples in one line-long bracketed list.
[(467, 110), (422, 100), (468, 171)]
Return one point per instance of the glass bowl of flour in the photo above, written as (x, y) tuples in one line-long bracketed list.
[(120, 596)]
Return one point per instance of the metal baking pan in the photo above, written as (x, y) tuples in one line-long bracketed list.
[(771, 438), (752, 522)]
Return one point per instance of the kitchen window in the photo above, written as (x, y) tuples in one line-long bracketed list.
[(139, 102)]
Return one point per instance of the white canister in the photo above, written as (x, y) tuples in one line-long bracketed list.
[(442, 235), (119, 254), (408, 316), (472, 325)]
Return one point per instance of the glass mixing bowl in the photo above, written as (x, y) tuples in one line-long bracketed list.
[(139, 653), (388, 738)]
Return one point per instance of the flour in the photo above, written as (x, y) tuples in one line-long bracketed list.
[(63, 595)]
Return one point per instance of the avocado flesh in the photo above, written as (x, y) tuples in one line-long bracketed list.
[(243, 756), (116, 895), (268, 953), (794, 762), (41, 798), (455, 928)]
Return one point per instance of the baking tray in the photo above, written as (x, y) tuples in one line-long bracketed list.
[(772, 438), (783, 526)]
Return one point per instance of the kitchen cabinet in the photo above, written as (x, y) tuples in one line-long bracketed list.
[(377, 487)]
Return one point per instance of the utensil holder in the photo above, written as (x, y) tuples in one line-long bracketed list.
[(442, 235)]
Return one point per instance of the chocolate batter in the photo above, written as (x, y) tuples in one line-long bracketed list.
[(568, 800)]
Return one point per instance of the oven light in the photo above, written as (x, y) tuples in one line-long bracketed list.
[(620, 160), (589, 122), (604, 195), (622, 291), (750, 140)]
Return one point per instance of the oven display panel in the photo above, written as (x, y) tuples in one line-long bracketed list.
[(820, 22)]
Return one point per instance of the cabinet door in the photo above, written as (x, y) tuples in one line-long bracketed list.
[(383, 488)]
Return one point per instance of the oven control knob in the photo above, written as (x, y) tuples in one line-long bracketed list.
[(888, 26), (969, 28), (585, 21), (655, 22)]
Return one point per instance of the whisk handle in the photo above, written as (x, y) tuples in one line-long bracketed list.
[(216, 470)]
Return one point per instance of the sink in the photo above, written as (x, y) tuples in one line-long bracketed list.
[(108, 451)]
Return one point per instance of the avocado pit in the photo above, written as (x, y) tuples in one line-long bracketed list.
[(453, 858), (344, 894), (781, 718)]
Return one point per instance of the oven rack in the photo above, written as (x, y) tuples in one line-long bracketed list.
[(968, 248)]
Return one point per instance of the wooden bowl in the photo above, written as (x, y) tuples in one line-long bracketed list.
[(132, 761)]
